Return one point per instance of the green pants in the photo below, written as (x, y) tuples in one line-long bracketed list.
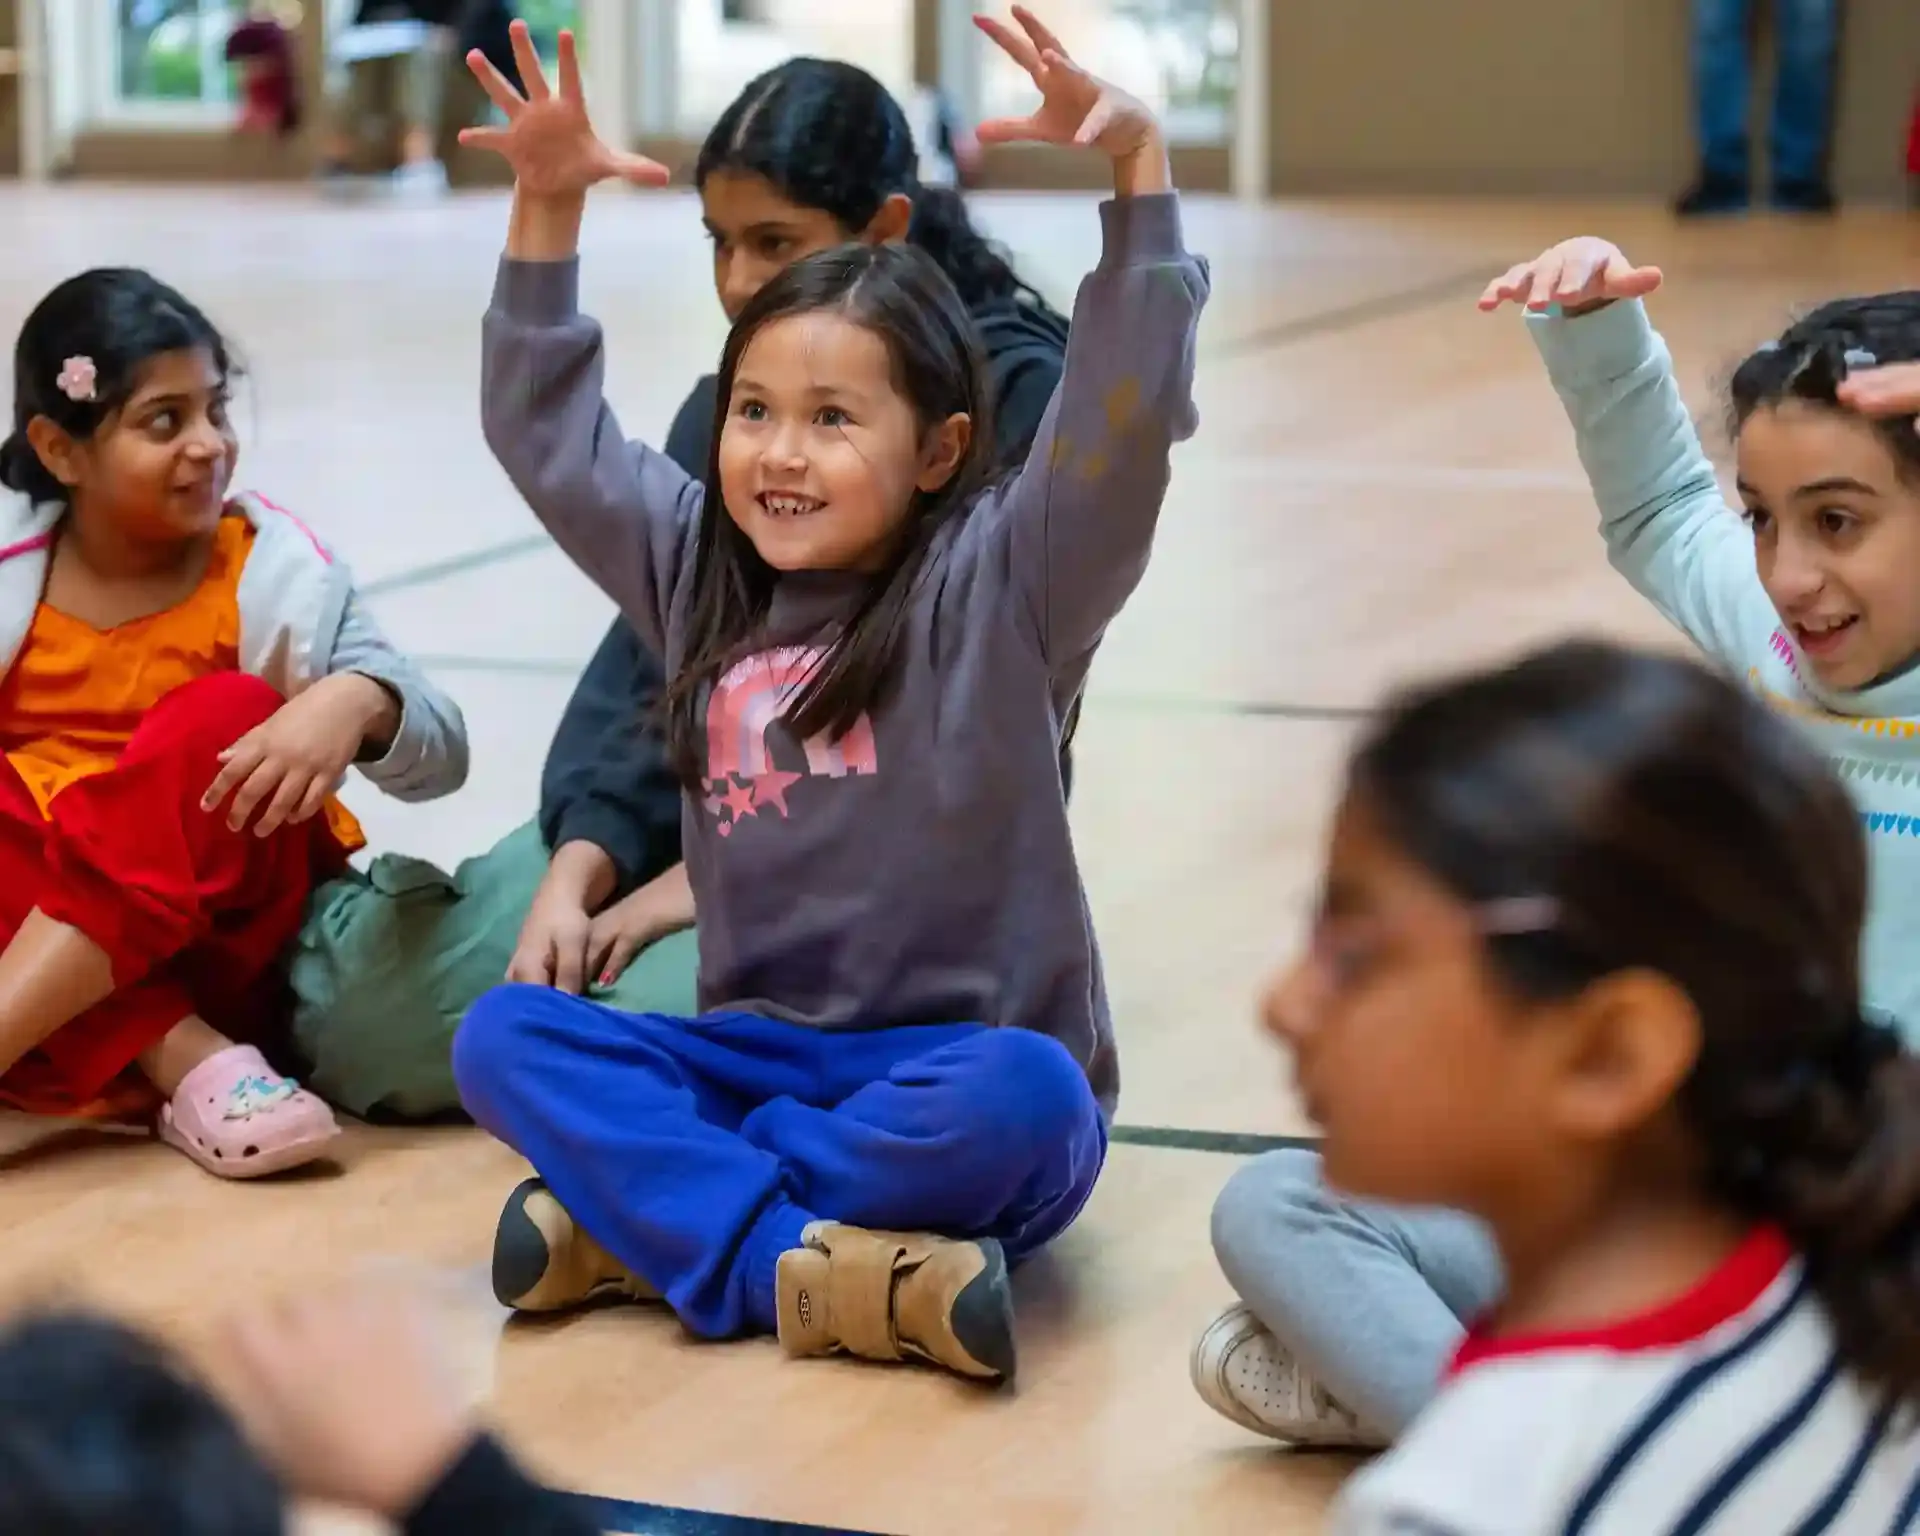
[(389, 961)]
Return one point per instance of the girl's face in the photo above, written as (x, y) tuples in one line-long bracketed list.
[(1423, 1077), (1836, 535), (157, 469), (820, 456), (1436, 1084), (757, 232)]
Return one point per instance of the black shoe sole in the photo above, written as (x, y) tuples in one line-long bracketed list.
[(982, 1316), (520, 1254)]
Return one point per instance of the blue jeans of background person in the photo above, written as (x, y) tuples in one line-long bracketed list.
[(1806, 33), (698, 1150)]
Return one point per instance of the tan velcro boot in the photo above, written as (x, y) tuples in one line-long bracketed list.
[(544, 1261), (898, 1296)]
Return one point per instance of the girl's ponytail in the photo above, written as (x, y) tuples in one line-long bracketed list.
[(22, 471), (943, 228), (1828, 1148)]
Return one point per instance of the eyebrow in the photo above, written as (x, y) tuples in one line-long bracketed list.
[(762, 226), (744, 383), (1826, 487)]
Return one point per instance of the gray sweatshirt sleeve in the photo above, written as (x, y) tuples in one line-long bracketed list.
[(1077, 521), (428, 755), (623, 513)]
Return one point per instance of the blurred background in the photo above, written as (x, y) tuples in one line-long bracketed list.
[(1264, 97)]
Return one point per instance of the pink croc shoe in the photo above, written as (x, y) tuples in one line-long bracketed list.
[(238, 1119)]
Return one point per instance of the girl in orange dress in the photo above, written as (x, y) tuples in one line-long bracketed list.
[(185, 678)]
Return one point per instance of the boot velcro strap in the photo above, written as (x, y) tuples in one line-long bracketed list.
[(863, 1271)]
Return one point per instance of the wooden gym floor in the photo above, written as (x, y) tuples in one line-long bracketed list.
[(1382, 486)]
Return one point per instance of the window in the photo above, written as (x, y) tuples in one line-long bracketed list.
[(1181, 57), (172, 50), (725, 43)]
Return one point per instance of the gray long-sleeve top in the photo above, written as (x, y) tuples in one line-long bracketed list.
[(919, 870)]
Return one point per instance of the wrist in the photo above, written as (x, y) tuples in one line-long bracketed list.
[(545, 227), (378, 709), (580, 873), (1144, 169)]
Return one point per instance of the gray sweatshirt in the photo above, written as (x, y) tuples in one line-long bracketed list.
[(920, 869)]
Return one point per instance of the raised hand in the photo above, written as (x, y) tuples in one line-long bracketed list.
[(1075, 108), (549, 140), (1890, 390), (1578, 275)]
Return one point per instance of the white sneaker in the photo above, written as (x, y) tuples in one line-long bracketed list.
[(1242, 1373)]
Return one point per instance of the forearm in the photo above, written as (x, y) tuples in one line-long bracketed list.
[(583, 872), (377, 703), (544, 228), (1145, 171)]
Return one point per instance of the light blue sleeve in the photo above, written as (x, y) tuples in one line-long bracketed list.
[(1667, 527), (428, 755)]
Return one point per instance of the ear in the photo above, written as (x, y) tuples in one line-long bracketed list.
[(891, 222), (1628, 1043), (945, 447), (57, 449)]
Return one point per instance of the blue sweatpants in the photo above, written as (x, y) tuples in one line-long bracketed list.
[(697, 1150)]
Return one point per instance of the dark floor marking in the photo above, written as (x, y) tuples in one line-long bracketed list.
[(627, 1518), (1233, 1143), (1346, 317)]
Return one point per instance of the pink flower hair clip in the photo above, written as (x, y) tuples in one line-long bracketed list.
[(77, 379)]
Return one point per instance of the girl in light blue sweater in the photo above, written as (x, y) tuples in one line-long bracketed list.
[(1809, 591)]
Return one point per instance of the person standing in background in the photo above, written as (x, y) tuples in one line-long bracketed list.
[(1806, 35), (484, 25)]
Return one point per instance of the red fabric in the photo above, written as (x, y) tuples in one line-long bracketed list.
[(1722, 1296), (194, 917), (1913, 143)]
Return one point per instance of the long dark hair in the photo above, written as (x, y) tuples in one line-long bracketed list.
[(119, 319), (827, 135), (1814, 355), (905, 300), (1677, 825)]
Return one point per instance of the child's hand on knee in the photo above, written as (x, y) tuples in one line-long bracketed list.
[(298, 756), (354, 1395), (1579, 275), (552, 950)]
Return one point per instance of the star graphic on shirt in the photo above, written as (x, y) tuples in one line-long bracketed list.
[(771, 787), (739, 800)]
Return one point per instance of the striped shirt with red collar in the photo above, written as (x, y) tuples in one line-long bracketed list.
[(1725, 1412)]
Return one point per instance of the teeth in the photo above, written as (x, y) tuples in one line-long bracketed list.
[(789, 506)]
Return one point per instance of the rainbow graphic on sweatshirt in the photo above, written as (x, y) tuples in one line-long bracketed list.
[(742, 778)]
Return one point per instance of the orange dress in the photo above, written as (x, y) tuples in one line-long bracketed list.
[(111, 737), (76, 694)]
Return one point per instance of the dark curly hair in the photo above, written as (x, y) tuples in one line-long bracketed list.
[(1814, 355), (1679, 826)]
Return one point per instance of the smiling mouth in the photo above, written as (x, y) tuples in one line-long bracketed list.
[(785, 504), (1821, 637)]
